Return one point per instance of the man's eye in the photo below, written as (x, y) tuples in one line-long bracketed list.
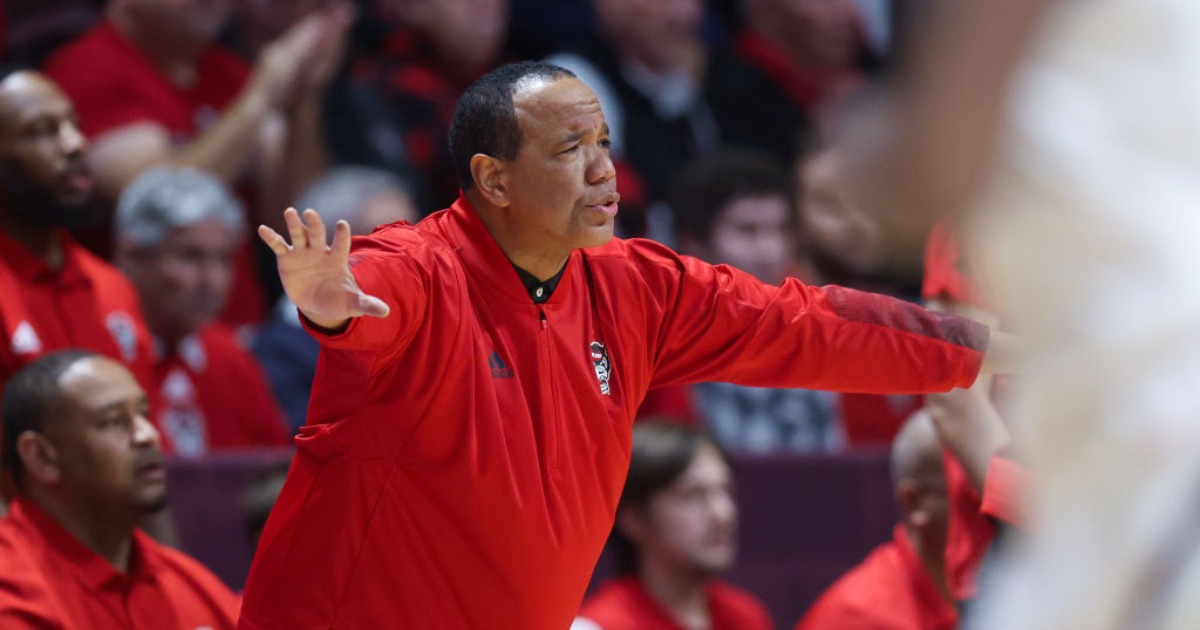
[(572, 149), (606, 143)]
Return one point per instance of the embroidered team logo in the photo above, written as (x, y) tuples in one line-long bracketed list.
[(120, 326), (602, 365), (25, 339)]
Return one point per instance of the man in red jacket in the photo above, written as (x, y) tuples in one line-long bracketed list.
[(903, 584), (676, 530), (469, 429), (88, 468)]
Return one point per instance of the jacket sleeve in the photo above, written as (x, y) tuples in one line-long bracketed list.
[(721, 324), (384, 268)]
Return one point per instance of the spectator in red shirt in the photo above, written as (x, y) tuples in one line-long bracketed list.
[(154, 88), (88, 468), (54, 294), (676, 530), (176, 232), (902, 584)]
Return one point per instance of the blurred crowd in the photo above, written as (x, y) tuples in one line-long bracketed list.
[(143, 141)]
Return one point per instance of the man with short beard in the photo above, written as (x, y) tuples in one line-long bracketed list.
[(54, 294), (88, 468)]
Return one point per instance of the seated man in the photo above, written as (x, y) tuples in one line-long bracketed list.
[(88, 469), (177, 231), (54, 294), (902, 585), (676, 530)]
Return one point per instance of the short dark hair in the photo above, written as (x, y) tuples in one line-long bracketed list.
[(485, 120), (711, 182), (661, 453), (31, 398)]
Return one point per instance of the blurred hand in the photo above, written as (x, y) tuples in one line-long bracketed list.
[(317, 276), (291, 62), (969, 425), (328, 47)]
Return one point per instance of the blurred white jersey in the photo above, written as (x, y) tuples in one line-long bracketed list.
[(1090, 236)]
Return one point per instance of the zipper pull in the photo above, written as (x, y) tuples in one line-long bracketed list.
[(542, 315)]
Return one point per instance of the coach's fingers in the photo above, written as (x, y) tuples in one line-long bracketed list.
[(273, 240), (341, 239), (316, 228), (295, 228), (373, 306)]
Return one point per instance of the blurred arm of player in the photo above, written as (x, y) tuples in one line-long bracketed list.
[(924, 152), (316, 275)]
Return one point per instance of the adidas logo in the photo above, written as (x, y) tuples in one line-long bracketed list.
[(499, 368), (25, 340)]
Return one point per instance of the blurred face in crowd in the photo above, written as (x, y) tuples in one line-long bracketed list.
[(185, 280), (43, 176), (467, 34), (690, 525), (197, 21), (831, 219), (383, 209), (654, 32), (754, 234), (105, 450), (562, 184), (825, 32), (268, 19)]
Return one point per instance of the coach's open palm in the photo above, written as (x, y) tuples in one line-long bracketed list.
[(317, 276)]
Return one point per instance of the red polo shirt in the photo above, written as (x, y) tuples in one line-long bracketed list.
[(50, 580), (624, 604), (86, 304), (464, 455), (213, 395), (113, 84), (889, 590)]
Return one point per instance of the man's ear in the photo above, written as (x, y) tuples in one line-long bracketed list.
[(908, 497), (491, 179), (38, 457)]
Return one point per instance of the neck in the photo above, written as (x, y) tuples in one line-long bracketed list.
[(173, 55), (536, 259), (43, 241), (98, 527), (683, 593), (933, 559)]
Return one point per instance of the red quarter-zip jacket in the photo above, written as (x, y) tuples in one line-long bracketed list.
[(464, 455)]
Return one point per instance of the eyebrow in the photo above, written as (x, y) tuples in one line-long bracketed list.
[(574, 137)]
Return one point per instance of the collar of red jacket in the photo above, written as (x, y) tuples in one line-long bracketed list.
[(485, 261), (87, 565), (31, 268)]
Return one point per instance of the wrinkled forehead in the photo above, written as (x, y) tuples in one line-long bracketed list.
[(94, 384), (565, 101)]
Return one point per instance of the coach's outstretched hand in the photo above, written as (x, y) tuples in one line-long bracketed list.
[(317, 276)]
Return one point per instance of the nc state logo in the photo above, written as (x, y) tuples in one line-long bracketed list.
[(602, 365)]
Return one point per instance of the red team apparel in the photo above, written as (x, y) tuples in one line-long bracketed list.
[(51, 581), (624, 604), (113, 84), (464, 456), (212, 395), (889, 590), (86, 304)]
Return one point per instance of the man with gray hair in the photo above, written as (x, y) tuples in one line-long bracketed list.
[(365, 197), (176, 235)]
